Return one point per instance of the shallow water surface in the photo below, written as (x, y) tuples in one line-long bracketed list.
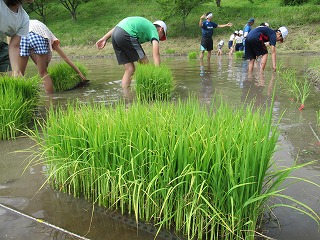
[(23, 187)]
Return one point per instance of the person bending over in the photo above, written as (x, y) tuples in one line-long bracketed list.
[(256, 45), (39, 45), (127, 37)]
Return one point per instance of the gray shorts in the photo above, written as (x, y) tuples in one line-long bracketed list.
[(126, 48), (4, 57)]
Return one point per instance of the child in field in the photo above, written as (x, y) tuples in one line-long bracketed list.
[(14, 23), (127, 37), (220, 46), (239, 41), (231, 42), (207, 27), (255, 45), (39, 45)]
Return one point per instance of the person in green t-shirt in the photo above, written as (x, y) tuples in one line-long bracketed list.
[(127, 37)]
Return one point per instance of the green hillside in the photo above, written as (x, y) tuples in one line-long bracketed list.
[(95, 17)]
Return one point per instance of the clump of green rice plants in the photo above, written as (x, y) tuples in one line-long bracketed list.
[(153, 82), (239, 54), (192, 55), (64, 77), (300, 89), (170, 51), (205, 172), (19, 98)]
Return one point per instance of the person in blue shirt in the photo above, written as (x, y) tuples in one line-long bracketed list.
[(207, 27), (256, 45), (246, 29)]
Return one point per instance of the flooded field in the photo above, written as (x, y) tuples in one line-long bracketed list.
[(23, 187)]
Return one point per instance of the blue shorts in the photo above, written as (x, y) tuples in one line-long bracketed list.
[(34, 42)]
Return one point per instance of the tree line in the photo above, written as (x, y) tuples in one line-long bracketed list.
[(180, 8)]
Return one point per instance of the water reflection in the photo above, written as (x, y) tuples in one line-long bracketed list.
[(223, 76)]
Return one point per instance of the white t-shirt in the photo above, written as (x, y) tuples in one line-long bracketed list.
[(42, 30), (231, 37), (12, 23), (239, 39)]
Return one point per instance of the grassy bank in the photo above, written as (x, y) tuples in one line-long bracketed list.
[(96, 17)]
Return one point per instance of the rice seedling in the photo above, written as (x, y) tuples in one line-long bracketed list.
[(239, 54), (153, 82), (192, 55), (298, 88), (304, 91), (19, 98), (205, 171), (65, 77), (318, 117), (170, 51)]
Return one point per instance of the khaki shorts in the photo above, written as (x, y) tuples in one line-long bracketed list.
[(4, 57)]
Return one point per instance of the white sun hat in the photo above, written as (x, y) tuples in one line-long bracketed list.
[(164, 26), (284, 32)]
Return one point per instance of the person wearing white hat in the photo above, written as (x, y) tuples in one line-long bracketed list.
[(239, 41), (207, 27), (231, 42), (127, 37), (255, 45)]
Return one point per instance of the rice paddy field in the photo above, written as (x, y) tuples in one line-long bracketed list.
[(219, 159)]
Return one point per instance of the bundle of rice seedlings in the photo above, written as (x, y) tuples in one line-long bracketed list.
[(239, 54), (153, 82), (19, 98), (192, 55), (206, 172), (64, 77)]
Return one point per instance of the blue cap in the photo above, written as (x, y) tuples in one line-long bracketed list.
[(251, 20)]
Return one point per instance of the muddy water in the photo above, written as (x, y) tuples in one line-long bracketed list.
[(23, 187)]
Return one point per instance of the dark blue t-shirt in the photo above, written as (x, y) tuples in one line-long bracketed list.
[(263, 34), (207, 28)]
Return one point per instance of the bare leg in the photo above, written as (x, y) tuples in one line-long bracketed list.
[(129, 70), (209, 56), (43, 72), (23, 62), (201, 57), (263, 63), (251, 65)]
